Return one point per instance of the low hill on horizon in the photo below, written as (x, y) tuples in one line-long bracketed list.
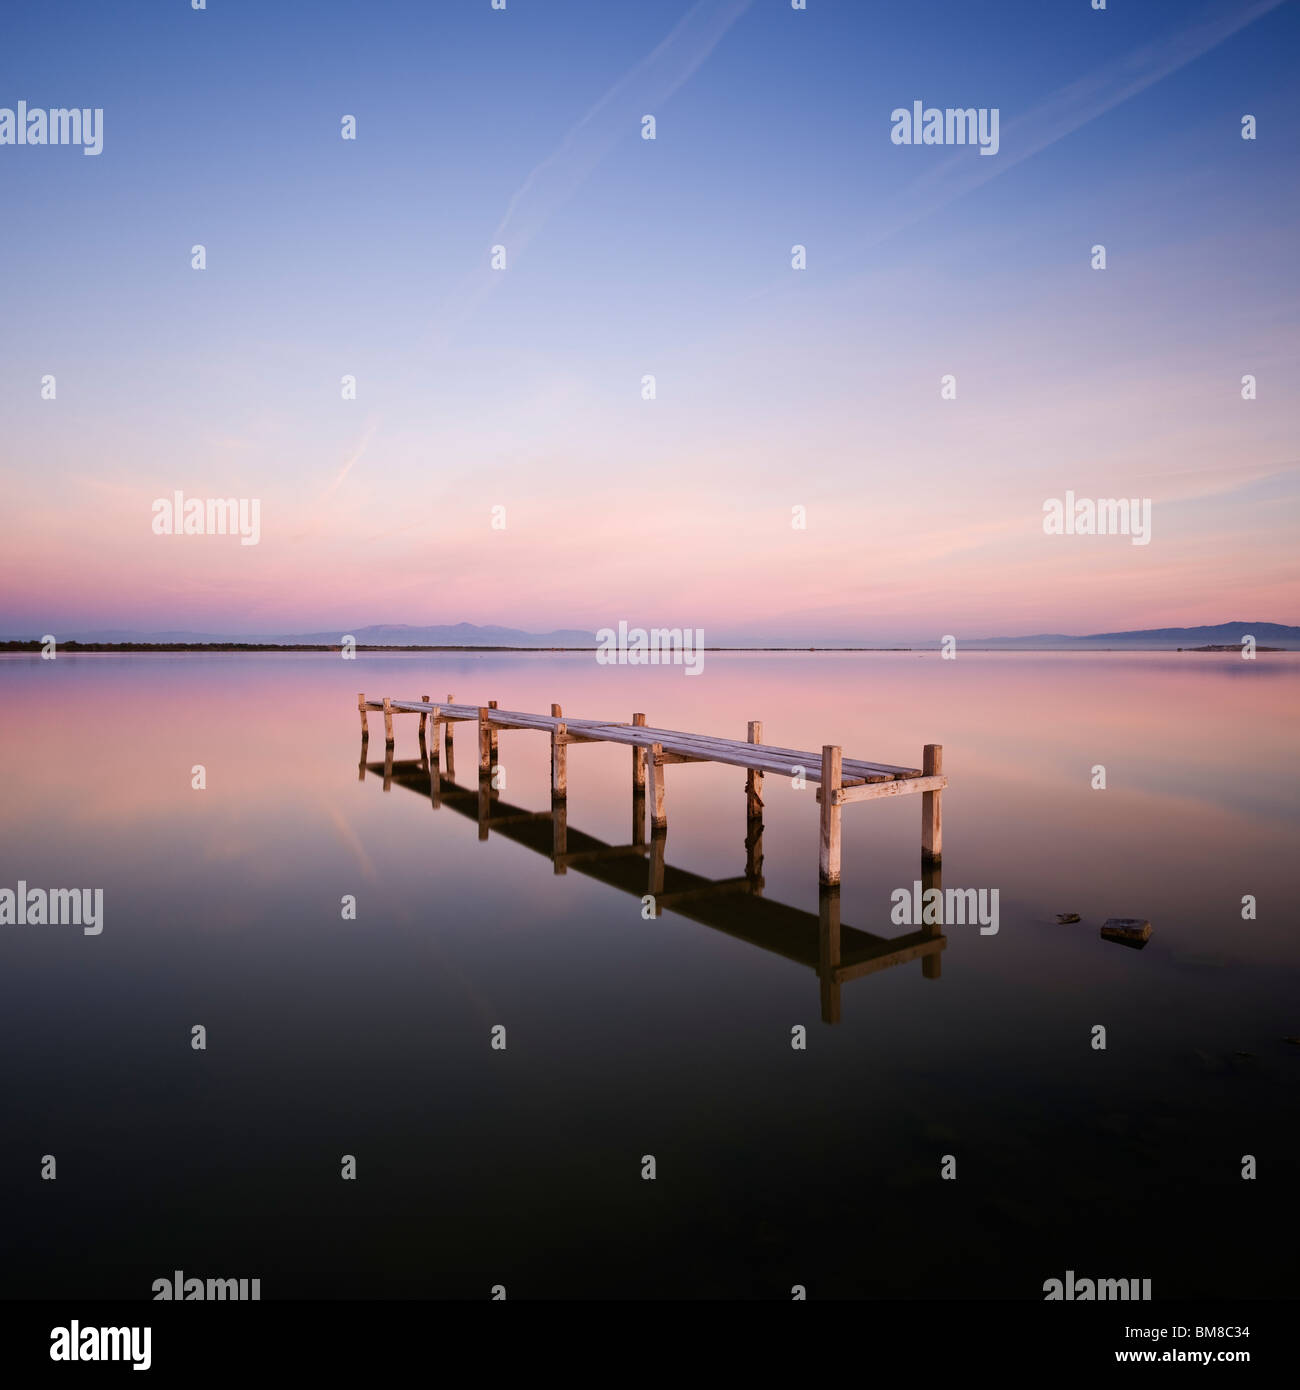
[(1278, 635), (1152, 638)]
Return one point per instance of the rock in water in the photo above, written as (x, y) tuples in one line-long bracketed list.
[(1128, 931), (1064, 918)]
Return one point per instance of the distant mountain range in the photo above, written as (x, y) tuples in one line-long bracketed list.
[(376, 635), (470, 635), (1148, 639)]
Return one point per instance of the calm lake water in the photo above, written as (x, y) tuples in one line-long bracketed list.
[(629, 1037)]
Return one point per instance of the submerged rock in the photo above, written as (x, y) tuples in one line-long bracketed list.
[(1128, 931), (1064, 918)]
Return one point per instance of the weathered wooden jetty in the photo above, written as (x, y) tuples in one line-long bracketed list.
[(836, 953), (840, 781)]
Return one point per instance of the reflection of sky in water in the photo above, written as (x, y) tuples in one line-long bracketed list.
[(628, 1036)]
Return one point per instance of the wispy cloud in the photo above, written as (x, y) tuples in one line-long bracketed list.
[(615, 117), (351, 461), (1061, 114)]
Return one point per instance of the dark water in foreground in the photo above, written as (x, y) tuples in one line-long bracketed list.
[(631, 1037)]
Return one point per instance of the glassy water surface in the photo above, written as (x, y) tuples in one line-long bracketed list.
[(629, 1037)]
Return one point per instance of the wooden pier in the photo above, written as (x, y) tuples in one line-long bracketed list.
[(839, 780), (836, 953)]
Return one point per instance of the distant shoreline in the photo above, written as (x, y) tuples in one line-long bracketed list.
[(163, 648)]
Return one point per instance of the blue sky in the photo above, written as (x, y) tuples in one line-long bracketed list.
[(775, 387)]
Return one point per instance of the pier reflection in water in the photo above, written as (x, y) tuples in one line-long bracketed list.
[(836, 953)]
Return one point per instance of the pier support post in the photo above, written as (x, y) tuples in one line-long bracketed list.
[(559, 757), (365, 728), (435, 719), (388, 722), (754, 781), (754, 815), (638, 757), (655, 768), (492, 704), (424, 751), (559, 761), (931, 806), (638, 786), (451, 752), (832, 778), (484, 743)]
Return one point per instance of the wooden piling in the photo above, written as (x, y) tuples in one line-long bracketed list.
[(638, 757), (365, 728), (435, 718), (492, 704), (559, 758), (931, 806), (832, 780), (451, 754), (655, 768), (484, 743), (388, 722), (423, 715), (754, 780)]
